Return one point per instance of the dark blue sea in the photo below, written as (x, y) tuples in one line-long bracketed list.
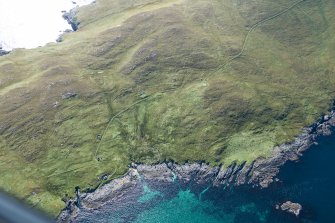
[(310, 182)]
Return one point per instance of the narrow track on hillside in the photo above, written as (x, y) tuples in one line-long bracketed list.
[(243, 48), (111, 120), (253, 27)]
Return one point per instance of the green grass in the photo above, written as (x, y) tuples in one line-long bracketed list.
[(160, 80)]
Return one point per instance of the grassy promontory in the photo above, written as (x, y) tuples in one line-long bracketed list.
[(154, 80)]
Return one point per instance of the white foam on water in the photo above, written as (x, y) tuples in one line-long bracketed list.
[(33, 23)]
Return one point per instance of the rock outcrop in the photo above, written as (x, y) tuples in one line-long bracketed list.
[(290, 207), (3, 52), (70, 17)]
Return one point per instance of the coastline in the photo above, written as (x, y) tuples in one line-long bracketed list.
[(67, 13), (261, 173), (3, 52), (255, 174)]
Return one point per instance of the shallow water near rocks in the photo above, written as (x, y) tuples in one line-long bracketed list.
[(309, 182)]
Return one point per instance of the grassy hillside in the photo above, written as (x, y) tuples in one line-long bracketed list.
[(155, 80)]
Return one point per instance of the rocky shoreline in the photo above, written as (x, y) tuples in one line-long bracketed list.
[(260, 173), (3, 52), (71, 19)]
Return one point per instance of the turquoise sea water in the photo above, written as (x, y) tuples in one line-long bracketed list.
[(309, 182)]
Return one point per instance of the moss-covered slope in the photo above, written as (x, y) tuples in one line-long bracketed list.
[(150, 80)]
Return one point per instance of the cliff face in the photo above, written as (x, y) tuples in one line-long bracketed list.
[(151, 81)]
